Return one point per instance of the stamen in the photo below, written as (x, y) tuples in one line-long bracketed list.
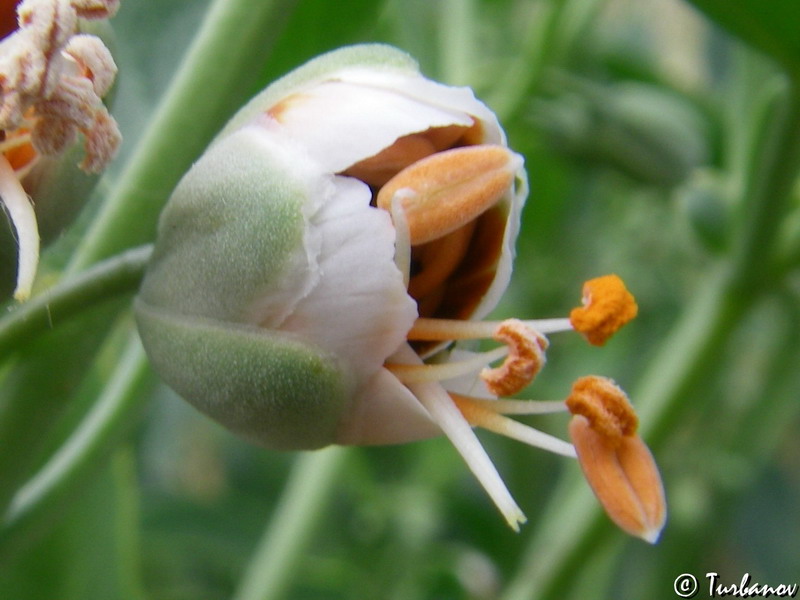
[(419, 373), (617, 464), (446, 414), (23, 218), (521, 407), (481, 414), (437, 260), (54, 77), (525, 359), (453, 329), (607, 306), (605, 406), (451, 188)]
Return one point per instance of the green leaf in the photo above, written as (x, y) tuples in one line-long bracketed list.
[(768, 25)]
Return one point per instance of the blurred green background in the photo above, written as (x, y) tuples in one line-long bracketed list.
[(662, 143)]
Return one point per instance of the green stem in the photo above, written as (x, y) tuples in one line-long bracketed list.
[(126, 522), (218, 73), (525, 73), (457, 41), (99, 432), (275, 561), (772, 172), (117, 275), (553, 31)]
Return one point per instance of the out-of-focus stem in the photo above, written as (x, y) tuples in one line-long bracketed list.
[(276, 558), (116, 275), (98, 433), (217, 74)]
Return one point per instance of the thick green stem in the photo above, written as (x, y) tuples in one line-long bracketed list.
[(275, 561), (218, 73), (772, 172), (117, 275)]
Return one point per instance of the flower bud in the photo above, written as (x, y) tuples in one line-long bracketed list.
[(653, 136), (275, 294), (707, 205)]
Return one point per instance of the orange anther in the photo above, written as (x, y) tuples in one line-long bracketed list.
[(624, 477), (526, 358), (607, 306), (616, 462), (447, 190), (604, 405)]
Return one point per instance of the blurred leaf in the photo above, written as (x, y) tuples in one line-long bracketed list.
[(91, 553), (35, 387), (651, 134), (769, 25), (316, 27)]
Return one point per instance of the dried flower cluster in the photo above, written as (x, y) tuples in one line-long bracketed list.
[(52, 79)]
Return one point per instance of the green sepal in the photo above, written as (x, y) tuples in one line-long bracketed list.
[(261, 384), (227, 233)]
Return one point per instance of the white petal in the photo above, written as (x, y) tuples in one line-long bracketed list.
[(386, 412), (358, 113), (358, 309), (341, 124), (426, 91)]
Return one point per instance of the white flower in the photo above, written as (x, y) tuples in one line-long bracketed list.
[(350, 224)]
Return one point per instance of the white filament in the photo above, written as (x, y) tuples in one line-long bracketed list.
[(446, 414), (402, 242)]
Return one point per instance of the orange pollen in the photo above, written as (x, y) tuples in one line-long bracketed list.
[(607, 306), (605, 406), (525, 359)]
